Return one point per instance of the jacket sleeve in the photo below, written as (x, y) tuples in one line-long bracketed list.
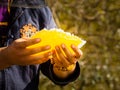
[(47, 70), (48, 18)]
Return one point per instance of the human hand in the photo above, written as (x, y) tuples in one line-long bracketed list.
[(18, 54), (64, 61)]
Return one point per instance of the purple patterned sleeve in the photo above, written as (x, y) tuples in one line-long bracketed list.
[(4, 11)]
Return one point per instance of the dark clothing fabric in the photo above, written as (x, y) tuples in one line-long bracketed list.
[(4, 16), (3, 13), (27, 77), (28, 3), (38, 17)]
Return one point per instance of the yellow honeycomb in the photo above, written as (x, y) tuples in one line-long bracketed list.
[(55, 37)]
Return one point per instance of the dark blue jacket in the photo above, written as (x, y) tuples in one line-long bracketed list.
[(27, 77)]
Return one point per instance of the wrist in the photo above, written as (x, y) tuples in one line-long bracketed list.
[(69, 68), (3, 59), (63, 72)]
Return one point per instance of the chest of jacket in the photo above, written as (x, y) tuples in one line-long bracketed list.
[(37, 17)]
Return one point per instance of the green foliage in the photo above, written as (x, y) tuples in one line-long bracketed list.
[(98, 22)]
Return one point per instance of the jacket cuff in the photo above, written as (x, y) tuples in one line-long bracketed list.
[(69, 79)]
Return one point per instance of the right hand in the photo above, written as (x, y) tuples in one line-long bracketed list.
[(18, 54)]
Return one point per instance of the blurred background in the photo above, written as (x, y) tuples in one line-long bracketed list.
[(97, 22)]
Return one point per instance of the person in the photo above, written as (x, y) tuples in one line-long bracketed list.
[(20, 66)]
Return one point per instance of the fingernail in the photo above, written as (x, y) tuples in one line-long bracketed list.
[(63, 45), (48, 47), (38, 40), (57, 47), (73, 46)]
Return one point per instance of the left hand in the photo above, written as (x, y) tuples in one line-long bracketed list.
[(63, 58)]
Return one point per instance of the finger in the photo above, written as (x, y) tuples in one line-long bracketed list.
[(68, 53), (57, 62), (30, 51), (39, 59), (55, 58), (63, 59), (36, 62), (25, 42), (78, 52)]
